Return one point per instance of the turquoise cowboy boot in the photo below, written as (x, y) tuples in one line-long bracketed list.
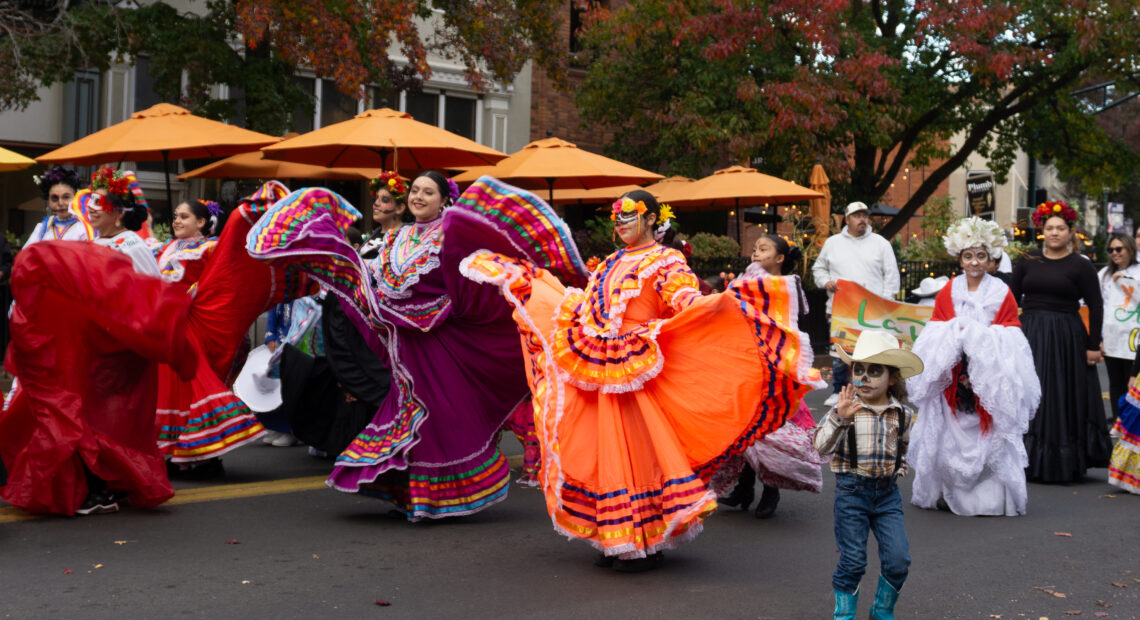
[(885, 597), (845, 604)]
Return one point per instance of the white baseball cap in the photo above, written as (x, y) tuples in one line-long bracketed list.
[(855, 207)]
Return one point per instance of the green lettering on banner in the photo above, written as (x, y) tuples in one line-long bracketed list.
[(1132, 316), (915, 328)]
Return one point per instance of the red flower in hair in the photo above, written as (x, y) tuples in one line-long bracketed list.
[(1057, 208)]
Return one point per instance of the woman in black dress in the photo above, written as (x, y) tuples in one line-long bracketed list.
[(1069, 434)]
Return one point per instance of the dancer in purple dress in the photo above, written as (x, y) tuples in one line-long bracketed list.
[(457, 368)]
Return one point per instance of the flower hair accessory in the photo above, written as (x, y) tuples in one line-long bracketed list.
[(392, 182), (116, 183), (971, 232), (665, 219), (57, 175), (626, 210), (453, 188), (1058, 208), (213, 208)]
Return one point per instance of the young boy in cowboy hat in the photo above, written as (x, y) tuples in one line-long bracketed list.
[(867, 433)]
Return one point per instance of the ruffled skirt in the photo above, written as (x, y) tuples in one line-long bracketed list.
[(627, 469), (1124, 468), (85, 350), (1069, 434)]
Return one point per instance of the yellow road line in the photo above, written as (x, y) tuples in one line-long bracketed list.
[(228, 491)]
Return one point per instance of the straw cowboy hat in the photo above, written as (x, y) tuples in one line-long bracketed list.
[(254, 386), (930, 286), (879, 347)]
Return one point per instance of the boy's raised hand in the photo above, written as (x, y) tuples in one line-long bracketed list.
[(845, 408)]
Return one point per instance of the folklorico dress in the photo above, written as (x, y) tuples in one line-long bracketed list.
[(643, 388), (200, 418), (457, 370), (1124, 467), (182, 260), (975, 400), (86, 350)]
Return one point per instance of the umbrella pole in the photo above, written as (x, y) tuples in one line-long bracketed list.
[(550, 187), (166, 171), (739, 225)]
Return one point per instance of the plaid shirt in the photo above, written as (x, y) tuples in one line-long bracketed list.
[(876, 439)]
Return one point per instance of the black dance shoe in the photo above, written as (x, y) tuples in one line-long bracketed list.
[(769, 499)]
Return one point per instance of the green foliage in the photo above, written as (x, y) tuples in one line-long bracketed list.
[(160, 231), (597, 239), (1017, 249), (708, 246), (937, 215)]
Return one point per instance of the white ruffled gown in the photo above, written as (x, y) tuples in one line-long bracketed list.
[(974, 461)]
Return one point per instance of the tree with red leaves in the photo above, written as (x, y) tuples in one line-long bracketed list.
[(255, 46), (349, 42), (866, 88)]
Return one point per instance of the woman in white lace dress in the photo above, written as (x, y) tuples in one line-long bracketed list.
[(979, 390)]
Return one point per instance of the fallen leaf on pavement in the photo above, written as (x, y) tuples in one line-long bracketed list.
[(1119, 585), (101, 566), (1065, 534), (316, 557), (1136, 580), (123, 542), (245, 582), (381, 602), (1101, 614), (1103, 604), (1109, 496), (995, 615), (233, 541), (67, 571), (1075, 612)]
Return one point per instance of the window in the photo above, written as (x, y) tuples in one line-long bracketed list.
[(424, 107), (499, 132), (382, 98), (576, 11), (335, 105), (81, 105), (302, 118), (459, 116)]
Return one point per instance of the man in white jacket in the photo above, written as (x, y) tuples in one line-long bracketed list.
[(861, 256)]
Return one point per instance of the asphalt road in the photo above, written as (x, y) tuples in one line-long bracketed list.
[(271, 541)]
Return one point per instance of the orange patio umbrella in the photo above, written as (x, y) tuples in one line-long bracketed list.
[(11, 160), (669, 186), (254, 165), (383, 138), (553, 163), (591, 196), (160, 132), (820, 207), (736, 187)]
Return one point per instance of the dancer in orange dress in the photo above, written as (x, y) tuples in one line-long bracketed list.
[(643, 388)]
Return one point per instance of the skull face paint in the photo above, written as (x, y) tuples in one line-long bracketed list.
[(871, 381)]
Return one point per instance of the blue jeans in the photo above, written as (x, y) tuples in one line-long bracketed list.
[(862, 505), (838, 374)]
